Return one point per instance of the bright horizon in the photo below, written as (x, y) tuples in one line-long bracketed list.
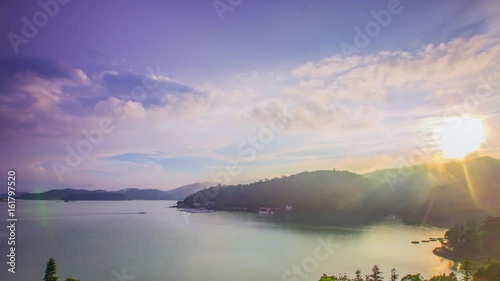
[(176, 92)]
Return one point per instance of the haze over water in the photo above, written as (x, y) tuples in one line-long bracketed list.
[(92, 240)]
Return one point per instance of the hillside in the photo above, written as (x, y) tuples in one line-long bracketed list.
[(433, 194), (342, 194), (442, 194)]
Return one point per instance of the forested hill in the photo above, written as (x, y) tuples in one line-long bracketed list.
[(339, 193), (442, 194), (434, 194)]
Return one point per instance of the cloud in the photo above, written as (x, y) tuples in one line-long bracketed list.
[(365, 164), (17, 67), (438, 70), (48, 98), (152, 89), (31, 92), (360, 91), (121, 109), (333, 108), (160, 159)]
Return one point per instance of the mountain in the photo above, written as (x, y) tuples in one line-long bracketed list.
[(5, 195), (439, 194), (184, 191), (340, 194), (444, 194), (55, 194), (178, 193), (96, 196), (124, 194)]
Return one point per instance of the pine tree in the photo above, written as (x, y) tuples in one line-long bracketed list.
[(394, 275), (376, 274), (50, 271), (358, 276), (466, 268)]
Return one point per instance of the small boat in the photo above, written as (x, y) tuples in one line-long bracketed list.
[(425, 241), (433, 239), (415, 242)]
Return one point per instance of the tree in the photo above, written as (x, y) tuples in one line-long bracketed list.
[(376, 274), (413, 277), (50, 271), (466, 268), (470, 238), (490, 240), (488, 272), (450, 277), (358, 276), (394, 275)]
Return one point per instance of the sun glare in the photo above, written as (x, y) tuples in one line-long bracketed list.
[(461, 137)]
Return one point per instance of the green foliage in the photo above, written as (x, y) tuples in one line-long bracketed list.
[(440, 194), (341, 194), (471, 241), (490, 237), (488, 272), (463, 239), (328, 278), (50, 271), (466, 268), (413, 277), (450, 277)]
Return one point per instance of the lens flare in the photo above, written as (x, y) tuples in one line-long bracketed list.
[(461, 137)]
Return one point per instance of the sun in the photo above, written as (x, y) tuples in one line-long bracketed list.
[(461, 137)]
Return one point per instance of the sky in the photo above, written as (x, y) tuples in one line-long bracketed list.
[(114, 94)]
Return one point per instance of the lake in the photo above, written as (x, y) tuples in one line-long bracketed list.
[(103, 240)]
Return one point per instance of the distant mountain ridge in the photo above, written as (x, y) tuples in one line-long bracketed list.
[(123, 194)]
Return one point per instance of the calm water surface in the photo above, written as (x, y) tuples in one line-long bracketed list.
[(93, 240)]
